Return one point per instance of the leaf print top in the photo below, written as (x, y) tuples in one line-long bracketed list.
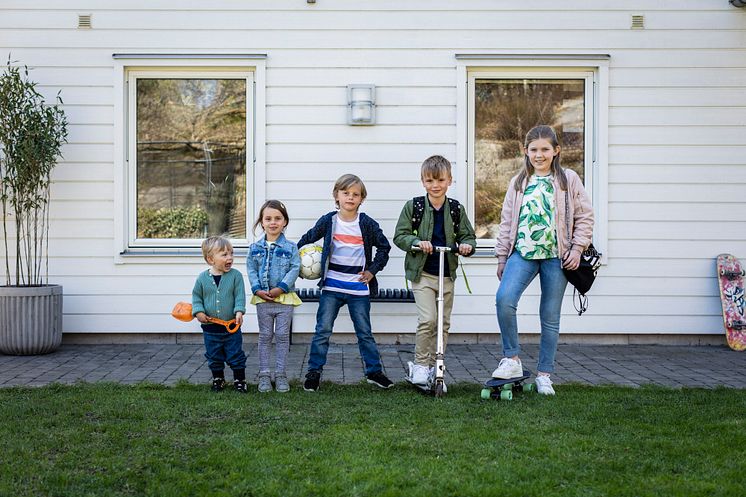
[(536, 237)]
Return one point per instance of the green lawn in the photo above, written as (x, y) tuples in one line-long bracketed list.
[(106, 439)]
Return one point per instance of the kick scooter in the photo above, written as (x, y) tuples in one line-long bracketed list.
[(437, 388)]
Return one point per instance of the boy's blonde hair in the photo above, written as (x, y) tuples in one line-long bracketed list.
[(214, 244), (436, 167), (345, 182)]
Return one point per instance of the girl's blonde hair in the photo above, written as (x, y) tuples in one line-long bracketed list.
[(271, 204), (345, 182), (538, 133), (215, 244)]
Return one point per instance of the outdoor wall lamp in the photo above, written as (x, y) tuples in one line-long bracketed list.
[(361, 105)]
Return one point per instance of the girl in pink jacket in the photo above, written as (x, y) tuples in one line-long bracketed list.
[(543, 203)]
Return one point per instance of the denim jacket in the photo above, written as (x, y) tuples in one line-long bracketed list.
[(275, 267), (372, 237)]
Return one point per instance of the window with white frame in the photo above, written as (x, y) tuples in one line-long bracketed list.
[(189, 159), (503, 103), (188, 139)]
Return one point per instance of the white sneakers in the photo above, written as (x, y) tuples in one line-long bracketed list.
[(508, 368), (544, 385), (423, 376), (419, 375)]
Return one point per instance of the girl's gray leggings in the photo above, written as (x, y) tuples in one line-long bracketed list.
[(274, 319)]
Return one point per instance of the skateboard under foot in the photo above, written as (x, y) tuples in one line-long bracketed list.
[(502, 389)]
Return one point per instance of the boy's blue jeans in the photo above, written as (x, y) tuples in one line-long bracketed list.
[(517, 275), (359, 307), (221, 348)]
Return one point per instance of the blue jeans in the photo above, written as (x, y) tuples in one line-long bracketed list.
[(221, 348), (518, 273), (359, 307)]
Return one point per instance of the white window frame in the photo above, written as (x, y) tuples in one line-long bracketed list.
[(129, 68), (593, 68)]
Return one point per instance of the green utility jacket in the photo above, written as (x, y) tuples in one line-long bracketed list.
[(404, 238)]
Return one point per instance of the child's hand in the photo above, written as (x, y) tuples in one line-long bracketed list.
[(239, 318), (464, 249), (500, 270), (275, 292), (264, 295), (201, 317), (365, 277), (426, 247)]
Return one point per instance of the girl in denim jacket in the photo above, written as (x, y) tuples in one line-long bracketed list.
[(273, 264)]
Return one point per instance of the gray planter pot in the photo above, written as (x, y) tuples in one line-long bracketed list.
[(31, 319)]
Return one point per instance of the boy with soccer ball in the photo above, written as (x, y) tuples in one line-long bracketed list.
[(348, 271)]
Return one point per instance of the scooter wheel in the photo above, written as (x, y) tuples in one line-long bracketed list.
[(439, 390), (486, 393)]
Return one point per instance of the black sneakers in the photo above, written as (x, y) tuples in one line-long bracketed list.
[(218, 384), (312, 381), (379, 379), (240, 386)]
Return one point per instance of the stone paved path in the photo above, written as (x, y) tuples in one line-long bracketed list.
[(634, 365)]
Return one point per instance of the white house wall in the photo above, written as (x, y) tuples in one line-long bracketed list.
[(676, 154)]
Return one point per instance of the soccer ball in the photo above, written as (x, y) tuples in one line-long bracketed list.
[(310, 261)]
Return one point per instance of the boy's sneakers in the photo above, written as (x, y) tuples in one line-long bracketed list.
[(218, 384), (265, 383), (379, 379), (544, 385), (312, 381), (240, 386), (419, 375), (508, 368), (281, 383)]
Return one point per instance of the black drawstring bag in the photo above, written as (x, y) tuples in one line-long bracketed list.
[(582, 278)]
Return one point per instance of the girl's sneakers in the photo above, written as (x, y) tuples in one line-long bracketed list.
[(508, 368), (265, 383), (281, 383), (544, 385)]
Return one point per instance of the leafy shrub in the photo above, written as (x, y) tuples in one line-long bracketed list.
[(177, 222)]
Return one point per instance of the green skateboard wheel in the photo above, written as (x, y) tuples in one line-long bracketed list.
[(507, 386), (529, 387), (486, 393), (506, 395)]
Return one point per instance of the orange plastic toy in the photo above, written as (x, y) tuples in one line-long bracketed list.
[(183, 312)]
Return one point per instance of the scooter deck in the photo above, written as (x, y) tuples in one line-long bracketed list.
[(501, 388)]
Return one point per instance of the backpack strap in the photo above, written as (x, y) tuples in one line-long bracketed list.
[(418, 209), (454, 207)]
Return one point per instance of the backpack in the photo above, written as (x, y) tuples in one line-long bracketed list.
[(418, 209)]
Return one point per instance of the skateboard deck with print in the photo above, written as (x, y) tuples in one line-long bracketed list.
[(502, 389), (730, 281)]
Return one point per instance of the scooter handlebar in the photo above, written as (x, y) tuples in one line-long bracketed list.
[(454, 248)]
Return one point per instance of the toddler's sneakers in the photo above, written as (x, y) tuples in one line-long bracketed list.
[(265, 383), (218, 384), (379, 379), (281, 383), (508, 368), (419, 375), (240, 386), (313, 378), (544, 385)]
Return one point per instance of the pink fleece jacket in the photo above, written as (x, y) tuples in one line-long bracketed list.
[(580, 211)]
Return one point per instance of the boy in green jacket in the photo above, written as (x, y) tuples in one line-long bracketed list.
[(432, 221)]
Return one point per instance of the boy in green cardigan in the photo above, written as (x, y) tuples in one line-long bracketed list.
[(441, 222), (219, 293)]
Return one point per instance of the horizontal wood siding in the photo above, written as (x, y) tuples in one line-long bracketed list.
[(676, 156)]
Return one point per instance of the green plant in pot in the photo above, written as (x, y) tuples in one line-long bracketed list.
[(32, 134)]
